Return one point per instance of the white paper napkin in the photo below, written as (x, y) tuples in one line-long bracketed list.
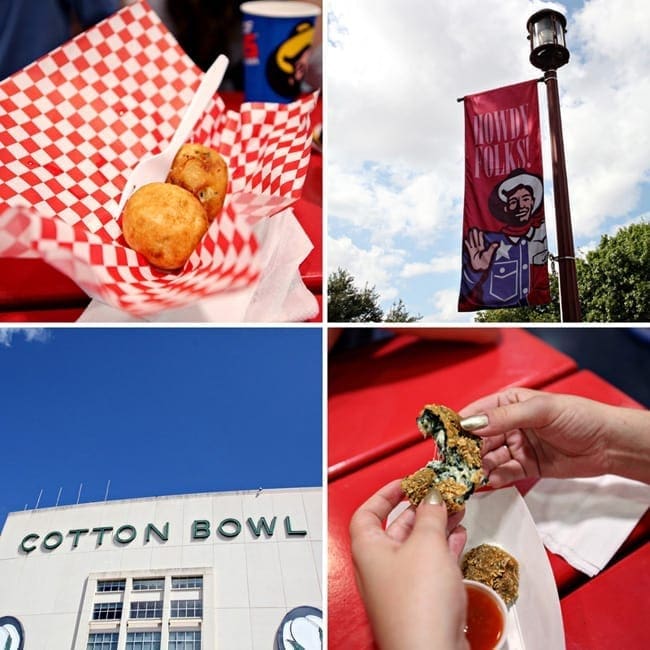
[(279, 295), (586, 520)]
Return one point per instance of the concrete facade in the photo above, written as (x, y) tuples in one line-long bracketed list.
[(259, 555)]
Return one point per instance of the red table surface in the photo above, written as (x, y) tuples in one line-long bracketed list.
[(346, 616), (376, 391), (611, 611), (31, 290)]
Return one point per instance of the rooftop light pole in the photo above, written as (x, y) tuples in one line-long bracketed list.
[(548, 52)]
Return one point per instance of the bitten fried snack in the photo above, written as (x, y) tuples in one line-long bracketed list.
[(165, 223), (203, 172), (495, 568), (457, 471)]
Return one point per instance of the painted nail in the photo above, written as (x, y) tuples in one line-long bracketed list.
[(475, 422), (433, 497)]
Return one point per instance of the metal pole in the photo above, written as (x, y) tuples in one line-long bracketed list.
[(569, 301)]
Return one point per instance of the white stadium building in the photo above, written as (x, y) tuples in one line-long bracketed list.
[(217, 571)]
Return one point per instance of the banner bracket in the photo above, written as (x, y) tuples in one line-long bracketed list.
[(558, 258)]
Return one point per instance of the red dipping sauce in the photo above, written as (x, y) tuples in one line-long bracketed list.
[(485, 621)]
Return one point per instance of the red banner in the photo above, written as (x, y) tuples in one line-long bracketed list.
[(504, 236)]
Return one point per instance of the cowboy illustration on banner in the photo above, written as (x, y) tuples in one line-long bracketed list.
[(504, 236), (504, 266)]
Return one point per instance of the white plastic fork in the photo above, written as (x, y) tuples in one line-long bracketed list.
[(155, 168)]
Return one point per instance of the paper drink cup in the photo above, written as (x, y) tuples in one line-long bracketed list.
[(277, 42)]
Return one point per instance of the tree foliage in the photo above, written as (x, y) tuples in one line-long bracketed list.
[(398, 314), (613, 284), (348, 304), (614, 279)]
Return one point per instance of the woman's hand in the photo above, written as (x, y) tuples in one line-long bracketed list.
[(529, 433), (408, 574)]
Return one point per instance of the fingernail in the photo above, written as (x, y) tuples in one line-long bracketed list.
[(475, 422), (433, 497)]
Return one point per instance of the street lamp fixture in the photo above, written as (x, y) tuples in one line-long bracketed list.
[(546, 33)]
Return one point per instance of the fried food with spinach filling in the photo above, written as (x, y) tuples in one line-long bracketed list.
[(457, 471)]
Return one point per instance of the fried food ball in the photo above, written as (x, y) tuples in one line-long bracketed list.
[(203, 172), (495, 568), (457, 471), (165, 223)]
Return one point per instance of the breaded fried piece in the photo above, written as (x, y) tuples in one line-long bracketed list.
[(165, 223), (417, 485), (495, 568), (457, 471), (203, 172)]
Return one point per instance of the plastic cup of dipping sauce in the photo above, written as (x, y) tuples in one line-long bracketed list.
[(487, 617)]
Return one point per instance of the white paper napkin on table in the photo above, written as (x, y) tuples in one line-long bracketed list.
[(586, 520), (279, 295)]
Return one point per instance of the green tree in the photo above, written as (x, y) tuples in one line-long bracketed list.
[(614, 279), (398, 314), (348, 304), (613, 284)]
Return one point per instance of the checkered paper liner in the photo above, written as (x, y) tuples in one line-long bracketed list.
[(73, 125)]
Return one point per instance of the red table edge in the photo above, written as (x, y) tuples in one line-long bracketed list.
[(358, 461)]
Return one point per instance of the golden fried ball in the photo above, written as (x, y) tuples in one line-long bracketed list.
[(165, 223), (495, 568), (203, 172)]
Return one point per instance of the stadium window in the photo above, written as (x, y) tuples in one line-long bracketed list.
[(148, 584), (110, 585), (107, 611), (187, 609), (185, 640), (143, 641), (102, 641), (146, 609), (187, 582)]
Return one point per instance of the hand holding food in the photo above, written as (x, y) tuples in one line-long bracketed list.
[(457, 471), (408, 573), (530, 433)]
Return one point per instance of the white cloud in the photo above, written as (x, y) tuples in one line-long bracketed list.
[(373, 266), (605, 116), (388, 202), (611, 231), (445, 304), (395, 131), (7, 335), (435, 265)]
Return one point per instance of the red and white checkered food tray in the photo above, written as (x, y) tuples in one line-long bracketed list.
[(73, 125)]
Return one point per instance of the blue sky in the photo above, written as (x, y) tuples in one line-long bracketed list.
[(395, 131), (157, 411)]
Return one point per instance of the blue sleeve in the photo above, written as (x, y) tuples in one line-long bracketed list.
[(90, 12)]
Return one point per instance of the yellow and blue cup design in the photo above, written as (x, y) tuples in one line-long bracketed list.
[(277, 42)]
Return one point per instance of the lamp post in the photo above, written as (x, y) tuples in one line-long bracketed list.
[(548, 52)]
